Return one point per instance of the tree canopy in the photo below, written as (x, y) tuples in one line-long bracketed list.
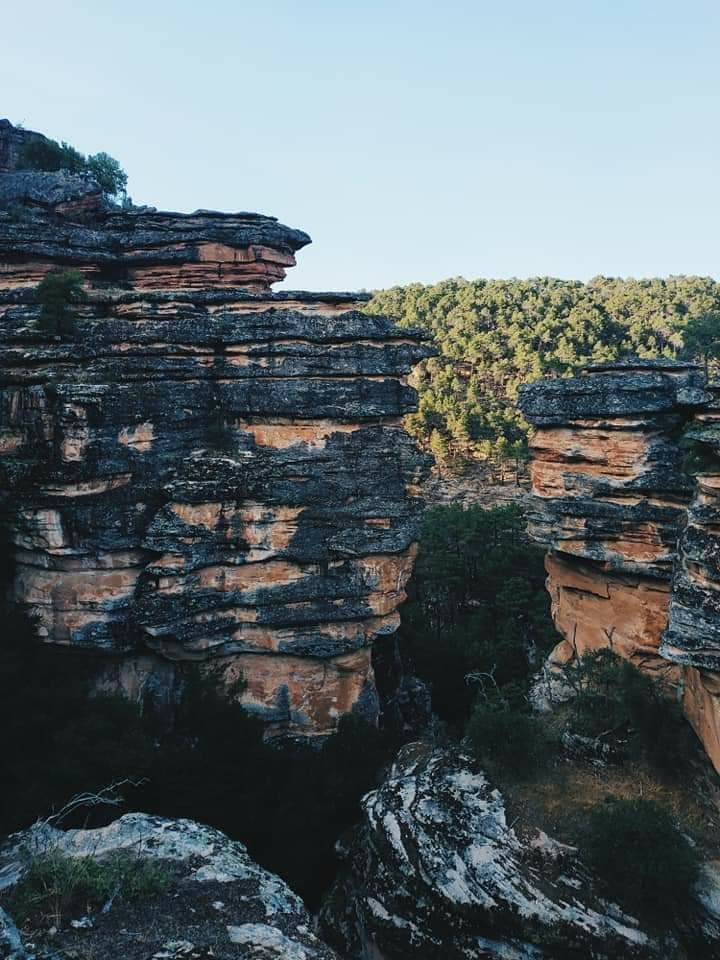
[(494, 335), (49, 155)]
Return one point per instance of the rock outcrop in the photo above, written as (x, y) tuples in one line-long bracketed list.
[(205, 471), (437, 872), (219, 902), (13, 141), (630, 525)]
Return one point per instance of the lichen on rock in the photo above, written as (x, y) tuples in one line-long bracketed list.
[(437, 871), (221, 903), (632, 533)]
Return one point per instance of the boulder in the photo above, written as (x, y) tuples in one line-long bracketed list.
[(221, 903), (437, 872)]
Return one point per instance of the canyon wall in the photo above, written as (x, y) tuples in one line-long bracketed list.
[(626, 497), (203, 470)]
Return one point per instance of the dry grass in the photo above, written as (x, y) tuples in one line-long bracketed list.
[(560, 796)]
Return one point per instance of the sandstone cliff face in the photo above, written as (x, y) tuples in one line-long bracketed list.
[(632, 534), (206, 471)]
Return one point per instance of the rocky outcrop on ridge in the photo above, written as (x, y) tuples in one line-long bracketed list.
[(13, 140), (219, 902), (206, 471), (437, 872), (631, 526)]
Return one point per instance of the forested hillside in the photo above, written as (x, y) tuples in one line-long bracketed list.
[(494, 335)]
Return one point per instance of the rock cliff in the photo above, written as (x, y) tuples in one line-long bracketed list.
[(631, 525), (13, 141), (206, 470)]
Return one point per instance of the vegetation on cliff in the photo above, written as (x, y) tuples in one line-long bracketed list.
[(476, 629), (616, 759), (478, 613), (208, 762), (56, 293), (636, 847), (494, 335), (206, 759)]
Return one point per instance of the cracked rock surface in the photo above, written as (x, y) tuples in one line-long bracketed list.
[(437, 872)]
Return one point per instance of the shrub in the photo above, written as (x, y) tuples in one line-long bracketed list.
[(613, 699), (478, 603), (51, 156), (598, 679), (56, 293), (55, 885), (504, 734), (636, 849)]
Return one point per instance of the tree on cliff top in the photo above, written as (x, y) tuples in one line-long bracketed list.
[(108, 173), (702, 338)]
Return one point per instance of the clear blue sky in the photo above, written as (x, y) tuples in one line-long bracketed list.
[(413, 140)]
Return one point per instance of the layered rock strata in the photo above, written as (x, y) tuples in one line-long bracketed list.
[(205, 471), (692, 638), (626, 480)]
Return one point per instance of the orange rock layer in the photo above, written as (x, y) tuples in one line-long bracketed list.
[(203, 471), (633, 537)]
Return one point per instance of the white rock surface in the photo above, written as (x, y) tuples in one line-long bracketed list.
[(267, 918), (438, 873)]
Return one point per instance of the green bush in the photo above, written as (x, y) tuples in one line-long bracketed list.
[(614, 700), (56, 293), (108, 173), (55, 885), (636, 849), (506, 735), (51, 156), (598, 679), (477, 603)]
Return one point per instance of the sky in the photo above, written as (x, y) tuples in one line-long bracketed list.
[(412, 140)]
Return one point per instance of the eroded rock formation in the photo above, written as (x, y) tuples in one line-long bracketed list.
[(438, 872), (206, 470), (633, 527)]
